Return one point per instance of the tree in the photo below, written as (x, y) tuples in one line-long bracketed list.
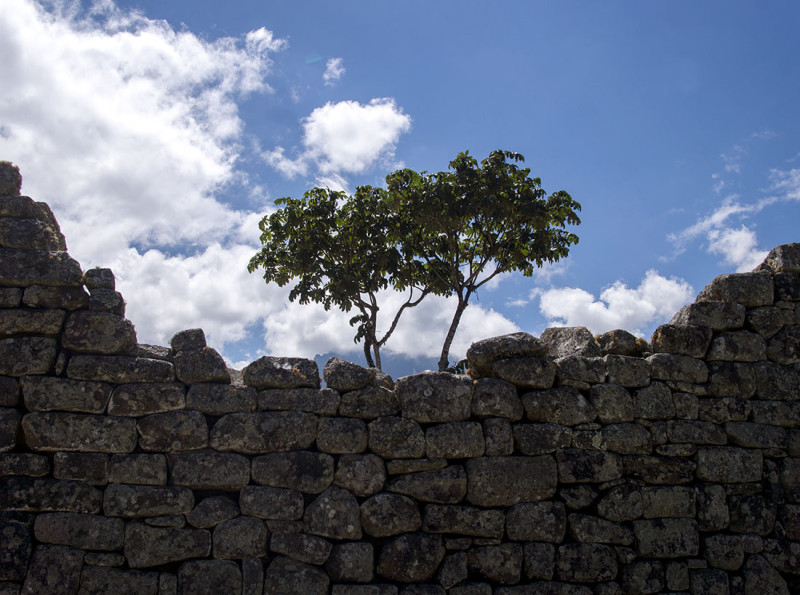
[(339, 250), (475, 221)]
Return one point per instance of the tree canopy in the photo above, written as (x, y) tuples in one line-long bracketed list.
[(447, 233)]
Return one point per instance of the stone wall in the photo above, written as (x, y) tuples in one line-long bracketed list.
[(564, 464)]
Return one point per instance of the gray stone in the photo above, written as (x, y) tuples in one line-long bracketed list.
[(323, 401), (709, 580), (784, 258), (266, 502), (620, 342), (119, 369), (219, 399), (738, 346), (308, 549), (563, 405), (91, 467), (212, 511), (668, 501), (31, 322), (440, 486), (107, 300), (682, 339), (97, 580), (48, 495), (209, 577), (32, 465), (83, 531), (54, 569), (622, 503), (539, 560), (526, 372), (52, 431), (538, 439), (787, 286), (498, 436), (536, 521), (629, 372), (776, 382), (504, 481), (728, 464), (142, 469), (695, 432), (264, 432), (144, 398), (654, 402), (576, 466), (342, 435), (612, 402), (285, 575), (20, 356), (751, 514), (240, 537), (146, 501), (749, 289), (369, 402), (9, 391), (351, 562), (193, 339), (497, 563), (99, 333), (42, 393), (344, 376), (282, 372), (579, 496), (9, 428), (252, 576), (643, 576), (782, 554), (15, 550), (307, 472), (396, 438), (10, 179), (660, 470), (147, 546), (10, 297), (626, 439), (173, 431), (435, 397), (667, 538), (591, 529), (453, 570), (577, 340), (209, 470), (723, 409), (762, 577), (768, 320), (712, 507), (21, 268), (580, 371), (411, 558), (586, 562), (750, 435), (98, 278), (335, 514), (724, 551), (202, 365), (482, 354), (463, 520), (784, 347), (496, 398), (455, 440), (64, 298), (680, 368), (776, 413), (384, 515), (363, 475)]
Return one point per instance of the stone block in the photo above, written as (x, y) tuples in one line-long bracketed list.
[(682, 339), (308, 549), (335, 514), (660, 470), (586, 562), (575, 340), (498, 435), (784, 347), (307, 472), (119, 369), (768, 320), (396, 438), (282, 372), (612, 402), (433, 397), (497, 563), (146, 501), (576, 466), (90, 467), (23, 463), (52, 431), (724, 551), (453, 570), (266, 502), (750, 435), (776, 382), (538, 439), (209, 470), (48, 495), (643, 576), (630, 372), (15, 550), (173, 431), (351, 562), (83, 531), (31, 322), (219, 399), (496, 398), (463, 520), (21, 268), (212, 511), (482, 354), (145, 398), (749, 289), (563, 405), (100, 579), (753, 514), (454, 440), (285, 575), (620, 342), (20, 356), (264, 432), (342, 435), (667, 538), (384, 515), (98, 333), (201, 365), (580, 371), (411, 558), (147, 546), (622, 503), (240, 537), (654, 402), (363, 475), (142, 469), (738, 346), (776, 413), (369, 402), (505, 481), (323, 401), (729, 464), (762, 577), (626, 439), (54, 569), (62, 298), (784, 258), (9, 428), (664, 502), (193, 339), (345, 376), (591, 529), (526, 372), (440, 486), (536, 521), (539, 560), (695, 432), (46, 393)]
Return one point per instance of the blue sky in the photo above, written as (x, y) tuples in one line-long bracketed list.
[(160, 132)]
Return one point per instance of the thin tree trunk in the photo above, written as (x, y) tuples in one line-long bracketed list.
[(367, 354), (444, 362), (377, 350)]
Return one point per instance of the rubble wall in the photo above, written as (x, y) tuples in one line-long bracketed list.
[(562, 464)]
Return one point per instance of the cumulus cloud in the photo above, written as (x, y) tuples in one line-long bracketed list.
[(738, 247), (345, 138), (334, 70), (654, 301)]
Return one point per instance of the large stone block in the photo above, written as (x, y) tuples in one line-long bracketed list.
[(729, 464), (455, 440), (630, 372), (463, 520), (384, 515), (784, 347), (31, 234), (47, 393), (539, 439), (54, 569), (219, 399), (411, 558), (351, 562), (119, 369), (363, 475), (575, 340), (91, 467), (145, 501), (612, 402), (482, 354), (264, 432), (660, 470), (20, 356), (526, 372), (53, 431), (281, 372), (738, 346), (591, 529), (342, 435), (307, 472), (563, 405), (667, 538), (15, 550), (440, 486), (586, 562), (212, 511), (31, 322), (435, 397), (142, 469), (209, 470), (335, 514), (202, 365), (682, 339), (784, 258), (48, 495), (173, 431), (749, 289), (102, 579), (308, 549), (578, 466), (536, 521), (369, 402), (147, 546), (266, 502), (396, 438), (678, 368), (23, 463), (731, 379), (504, 481), (345, 376), (285, 575), (62, 298), (241, 537), (496, 398), (21, 268), (100, 333), (145, 398), (497, 563), (83, 531), (323, 401)]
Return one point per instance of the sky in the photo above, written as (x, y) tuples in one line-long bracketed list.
[(160, 133)]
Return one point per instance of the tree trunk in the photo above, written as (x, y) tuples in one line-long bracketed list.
[(377, 349), (444, 362), (367, 354)]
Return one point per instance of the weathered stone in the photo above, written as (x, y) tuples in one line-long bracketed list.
[(728, 379), (31, 322), (787, 286), (396, 438), (782, 554), (308, 472), (612, 402), (536, 521), (783, 258), (90, 467), (659, 470), (498, 436), (752, 514), (411, 558), (119, 369), (256, 433), (776, 382), (681, 368), (21, 268), (209, 470), (776, 413), (762, 577), (43, 393), (240, 537), (580, 371), (630, 372), (563, 405), (453, 570), (9, 391), (9, 428), (73, 431), (784, 347), (219, 399), (539, 560), (100, 333), (749, 289), (84, 531), (384, 515), (709, 580), (48, 495), (147, 546), (324, 401), (750, 435), (619, 342), (345, 376), (539, 439), (334, 514), (575, 466), (482, 354), (768, 320), (463, 520), (266, 502), (209, 577), (724, 551), (504, 481), (63, 298), (212, 511), (202, 365), (664, 502), (682, 339), (143, 469), (10, 179), (193, 339), (15, 550), (369, 402), (577, 340), (308, 549), (738, 346), (351, 562), (643, 576), (723, 409), (363, 475), (20, 356), (712, 507), (435, 397), (173, 431), (145, 351), (455, 440), (577, 497), (622, 503), (497, 563), (728, 464), (440, 486), (654, 402), (526, 372), (145, 398), (10, 297), (695, 432), (496, 398), (100, 579), (23, 463), (341, 435), (667, 538), (586, 562), (107, 300), (281, 372), (590, 529), (285, 575), (146, 501), (54, 569), (626, 439)]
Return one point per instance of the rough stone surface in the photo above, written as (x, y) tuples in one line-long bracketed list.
[(620, 342), (101, 333), (384, 515), (173, 431), (281, 372), (363, 475), (504, 481), (10, 179), (271, 503), (306, 472), (144, 398), (256, 433), (440, 486), (482, 354), (369, 402), (435, 397), (285, 575), (411, 558), (202, 365), (308, 549), (334, 514), (44, 393), (209, 470), (146, 501), (53, 431), (344, 376), (147, 546), (526, 372), (240, 537)]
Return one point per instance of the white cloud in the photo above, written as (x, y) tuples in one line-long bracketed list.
[(739, 247), (345, 138), (654, 301), (334, 70)]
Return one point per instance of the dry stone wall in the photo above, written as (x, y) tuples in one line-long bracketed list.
[(564, 464)]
